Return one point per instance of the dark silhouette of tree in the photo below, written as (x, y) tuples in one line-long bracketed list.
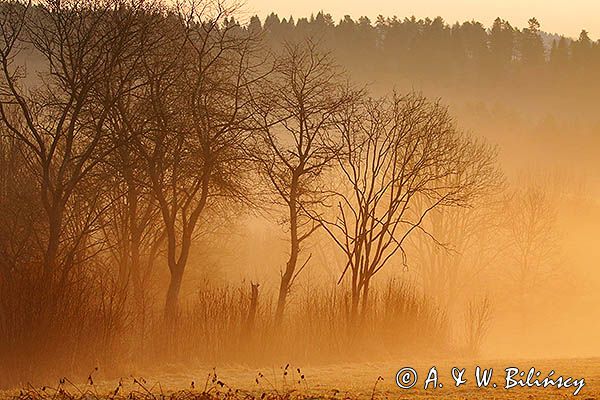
[(559, 55), (502, 43), (530, 45), (398, 154), (199, 110), (58, 115), (582, 51), (131, 224), (255, 26), (62, 122), (295, 115)]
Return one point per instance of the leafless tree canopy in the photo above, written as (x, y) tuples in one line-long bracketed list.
[(402, 158), (297, 140)]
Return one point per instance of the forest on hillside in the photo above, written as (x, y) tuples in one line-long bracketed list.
[(511, 85), (501, 46), (467, 53)]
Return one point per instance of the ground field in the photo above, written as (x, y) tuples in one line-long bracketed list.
[(352, 381)]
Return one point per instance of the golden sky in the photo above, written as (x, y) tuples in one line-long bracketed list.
[(566, 17)]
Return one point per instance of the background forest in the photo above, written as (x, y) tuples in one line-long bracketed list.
[(503, 82), (184, 185)]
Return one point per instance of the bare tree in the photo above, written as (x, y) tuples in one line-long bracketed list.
[(20, 212), (198, 98), (470, 245), (478, 317), (397, 151), (295, 115), (61, 117), (55, 101), (532, 241), (131, 225)]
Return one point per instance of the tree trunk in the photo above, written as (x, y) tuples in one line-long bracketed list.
[(284, 286), (176, 268), (354, 301), (286, 278), (48, 296), (54, 225), (171, 305), (365, 301)]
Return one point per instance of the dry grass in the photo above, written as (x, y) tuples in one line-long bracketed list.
[(293, 387), (90, 330), (399, 322), (364, 381)]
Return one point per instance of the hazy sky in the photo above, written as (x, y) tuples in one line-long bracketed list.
[(556, 16)]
